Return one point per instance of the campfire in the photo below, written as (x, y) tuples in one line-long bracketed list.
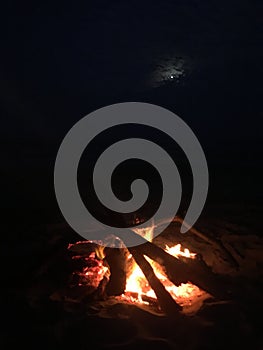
[(95, 293), (170, 278), (138, 289)]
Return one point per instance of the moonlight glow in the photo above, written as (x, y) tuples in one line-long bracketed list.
[(169, 67)]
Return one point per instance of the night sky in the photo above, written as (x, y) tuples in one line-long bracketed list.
[(60, 61)]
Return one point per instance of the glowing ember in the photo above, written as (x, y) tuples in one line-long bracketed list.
[(93, 273)]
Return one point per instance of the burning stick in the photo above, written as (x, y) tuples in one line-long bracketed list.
[(167, 303), (179, 271)]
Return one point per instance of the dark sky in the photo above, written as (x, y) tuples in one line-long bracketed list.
[(62, 60), (68, 57)]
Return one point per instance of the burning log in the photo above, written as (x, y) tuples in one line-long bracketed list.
[(214, 242), (181, 271), (116, 258), (166, 302)]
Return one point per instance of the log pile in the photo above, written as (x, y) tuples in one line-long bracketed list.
[(178, 271)]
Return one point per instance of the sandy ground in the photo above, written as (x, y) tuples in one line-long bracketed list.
[(36, 271)]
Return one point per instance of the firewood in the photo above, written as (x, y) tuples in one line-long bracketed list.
[(166, 302), (217, 244), (82, 248), (184, 270), (116, 258)]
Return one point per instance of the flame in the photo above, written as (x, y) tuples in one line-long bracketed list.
[(99, 250), (146, 233), (137, 286), (177, 252)]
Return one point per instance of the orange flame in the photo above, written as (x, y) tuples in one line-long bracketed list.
[(137, 285), (177, 252)]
